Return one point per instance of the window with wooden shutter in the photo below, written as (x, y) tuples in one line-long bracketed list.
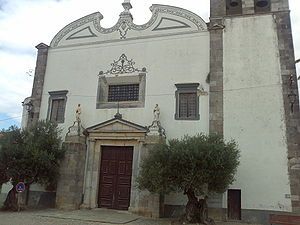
[(187, 102), (57, 110), (187, 105), (57, 106)]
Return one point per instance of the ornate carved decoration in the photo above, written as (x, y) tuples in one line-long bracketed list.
[(95, 18), (123, 29), (121, 66)]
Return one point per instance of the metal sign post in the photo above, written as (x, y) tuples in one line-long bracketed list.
[(20, 187)]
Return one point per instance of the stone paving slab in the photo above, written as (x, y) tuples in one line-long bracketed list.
[(95, 215), (86, 217)]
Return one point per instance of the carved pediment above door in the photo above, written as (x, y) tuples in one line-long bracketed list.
[(117, 127)]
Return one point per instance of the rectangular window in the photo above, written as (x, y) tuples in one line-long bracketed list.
[(121, 91), (187, 101), (125, 92), (57, 106)]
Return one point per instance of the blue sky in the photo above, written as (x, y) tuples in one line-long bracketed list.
[(26, 23), (6, 122)]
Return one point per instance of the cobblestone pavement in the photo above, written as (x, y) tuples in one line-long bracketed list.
[(82, 217)]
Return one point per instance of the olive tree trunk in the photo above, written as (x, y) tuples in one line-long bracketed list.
[(196, 210)]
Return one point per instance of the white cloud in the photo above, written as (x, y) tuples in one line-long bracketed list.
[(15, 85)]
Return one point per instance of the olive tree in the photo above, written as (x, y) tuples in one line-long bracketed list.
[(31, 156), (196, 166)]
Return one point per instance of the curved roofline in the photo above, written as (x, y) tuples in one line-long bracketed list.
[(75, 24), (155, 9)]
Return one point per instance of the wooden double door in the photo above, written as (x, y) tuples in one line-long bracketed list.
[(115, 177)]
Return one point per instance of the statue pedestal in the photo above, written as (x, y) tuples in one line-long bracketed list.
[(154, 129), (70, 184)]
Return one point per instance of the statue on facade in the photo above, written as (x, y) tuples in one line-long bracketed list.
[(155, 128), (78, 112), (76, 129), (156, 112)]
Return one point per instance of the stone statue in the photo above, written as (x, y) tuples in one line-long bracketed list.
[(156, 112), (78, 112), (155, 129)]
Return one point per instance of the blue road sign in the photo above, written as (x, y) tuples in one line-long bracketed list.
[(20, 187)]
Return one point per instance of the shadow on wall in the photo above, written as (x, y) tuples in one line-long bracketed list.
[(36, 199)]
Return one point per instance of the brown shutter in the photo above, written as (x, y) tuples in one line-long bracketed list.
[(187, 105), (54, 108), (60, 110), (57, 110)]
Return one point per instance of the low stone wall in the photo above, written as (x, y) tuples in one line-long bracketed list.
[(41, 199)]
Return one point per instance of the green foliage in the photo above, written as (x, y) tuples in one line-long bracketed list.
[(31, 155), (202, 163)]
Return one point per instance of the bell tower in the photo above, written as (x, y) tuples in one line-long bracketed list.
[(254, 98)]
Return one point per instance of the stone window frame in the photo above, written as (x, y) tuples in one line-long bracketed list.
[(187, 88), (105, 81), (57, 95)]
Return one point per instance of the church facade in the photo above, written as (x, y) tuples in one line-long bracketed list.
[(132, 86)]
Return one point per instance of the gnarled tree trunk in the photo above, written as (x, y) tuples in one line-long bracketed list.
[(196, 210)]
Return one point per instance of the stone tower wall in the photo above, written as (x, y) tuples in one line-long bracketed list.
[(279, 10)]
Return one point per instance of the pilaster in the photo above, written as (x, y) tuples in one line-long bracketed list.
[(218, 11), (38, 83), (291, 102)]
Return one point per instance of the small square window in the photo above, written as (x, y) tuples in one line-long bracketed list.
[(125, 92), (121, 91), (187, 102), (57, 106)]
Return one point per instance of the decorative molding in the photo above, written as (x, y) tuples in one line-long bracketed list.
[(124, 125), (194, 18), (94, 17), (75, 35), (123, 30), (179, 24), (121, 66), (125, 22)]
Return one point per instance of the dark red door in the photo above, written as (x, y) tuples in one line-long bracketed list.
[(234, 204), (115, 177)]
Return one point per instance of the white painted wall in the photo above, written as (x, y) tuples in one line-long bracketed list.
[(169, 60), (254, 113), (253, 105)]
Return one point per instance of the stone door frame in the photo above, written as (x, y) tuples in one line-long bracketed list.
[(91, 185), (114, 132), (119, 132)]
